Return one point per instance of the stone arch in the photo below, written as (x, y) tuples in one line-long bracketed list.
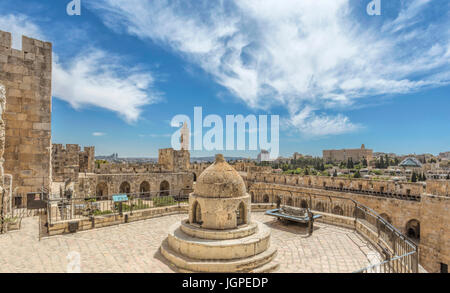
[(289, 201), (337, 210), (194, 176), (413, 229), (358, 213), (144, 188), (320, 207), (164, 188), (381, 226), (304, 204), (241, 215), (101, 189), (386, 217), (196, 213), (125, 187), (266, 198)]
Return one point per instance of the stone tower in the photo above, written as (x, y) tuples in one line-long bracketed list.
[(219, 235), (27, 77), (184, 139)]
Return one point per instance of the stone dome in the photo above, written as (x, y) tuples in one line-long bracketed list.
[(220, 180)]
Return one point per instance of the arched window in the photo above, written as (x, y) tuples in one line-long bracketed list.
[(164, 188), (241, 214), (197, 214), (413, 229), (144, 188), (195, 177), (125, 187), (101, 189)]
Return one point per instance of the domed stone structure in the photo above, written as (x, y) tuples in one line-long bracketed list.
[(219, 235)]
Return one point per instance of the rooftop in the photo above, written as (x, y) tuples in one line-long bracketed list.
[(134, 248)]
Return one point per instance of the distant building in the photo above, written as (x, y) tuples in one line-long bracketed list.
[(357, 155), (264, 156), (445, 155), (297, 156), (411, 162), (184, 139)]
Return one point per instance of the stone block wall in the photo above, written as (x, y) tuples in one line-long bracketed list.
[(26, 75)]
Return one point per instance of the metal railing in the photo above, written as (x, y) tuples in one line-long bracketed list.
[(63, 209), (401, 253)]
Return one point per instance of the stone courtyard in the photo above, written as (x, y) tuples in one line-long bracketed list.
[(134, 248)]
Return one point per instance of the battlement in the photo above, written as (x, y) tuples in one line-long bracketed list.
[(29, 45)]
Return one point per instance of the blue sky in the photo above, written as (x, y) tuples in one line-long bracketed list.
[(336, 76)]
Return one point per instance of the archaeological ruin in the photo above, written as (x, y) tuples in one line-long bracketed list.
[(406, 223)]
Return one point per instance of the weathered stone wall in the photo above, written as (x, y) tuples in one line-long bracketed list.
[(379, 187), (87, 160), (430, 211), (90, 185), (171, 160), (357, 155), (26, 75)]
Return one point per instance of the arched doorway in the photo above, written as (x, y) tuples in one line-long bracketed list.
[(240, 214), (304, 204), (101, 189), (194, 177), (125, 187), (144, 189), (413, 229), (337, 210), (164, 188), (266, 199), (289, 201), (197, 214)]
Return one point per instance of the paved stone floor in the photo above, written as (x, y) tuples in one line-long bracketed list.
[(134, 248)]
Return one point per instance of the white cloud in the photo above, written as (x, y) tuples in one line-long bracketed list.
[(19, 25), (308, 56), (98, 134), (94, 77)]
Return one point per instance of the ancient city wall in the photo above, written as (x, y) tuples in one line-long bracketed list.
[(380, 187), (68, 161), (26, 75), (430, 212), (91, 185)]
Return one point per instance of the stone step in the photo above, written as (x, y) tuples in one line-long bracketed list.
[(197, 248), (269, 267), (198, 232), (185, 264)]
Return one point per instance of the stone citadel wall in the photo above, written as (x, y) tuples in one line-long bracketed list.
[(428, 215), (26, 75)]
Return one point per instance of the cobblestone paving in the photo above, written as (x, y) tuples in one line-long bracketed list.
[(134, 248)]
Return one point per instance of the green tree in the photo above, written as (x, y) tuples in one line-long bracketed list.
[(357, 174), (364, 163)]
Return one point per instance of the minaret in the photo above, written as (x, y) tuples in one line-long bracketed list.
[(184, 139)]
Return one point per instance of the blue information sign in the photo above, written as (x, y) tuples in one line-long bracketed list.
[(120, 197)]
